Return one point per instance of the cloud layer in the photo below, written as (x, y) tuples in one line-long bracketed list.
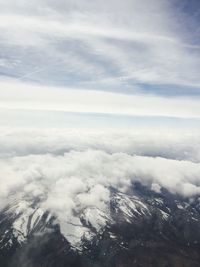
[(31, 97), (72, 170)]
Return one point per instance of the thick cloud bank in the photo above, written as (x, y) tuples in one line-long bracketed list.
[(69, 170)]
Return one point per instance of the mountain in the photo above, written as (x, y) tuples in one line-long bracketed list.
[(142, 228)]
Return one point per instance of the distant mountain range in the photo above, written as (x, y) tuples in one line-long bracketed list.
[(140, 229)]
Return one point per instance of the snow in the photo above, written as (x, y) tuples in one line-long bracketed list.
[(22, 222), (75, 230), (159, 201), (96, 217), (179, 206), (112, 236), (25, 218), (36, 216), (131, 206), (82, 225), (164, 215)]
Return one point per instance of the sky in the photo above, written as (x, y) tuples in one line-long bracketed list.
[(123, 60)]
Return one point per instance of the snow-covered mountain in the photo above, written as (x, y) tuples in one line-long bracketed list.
[(142, 228)]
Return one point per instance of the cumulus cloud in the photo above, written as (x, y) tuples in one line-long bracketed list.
[(69, 171)]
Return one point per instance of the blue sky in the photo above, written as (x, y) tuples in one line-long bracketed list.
[(134, 60)]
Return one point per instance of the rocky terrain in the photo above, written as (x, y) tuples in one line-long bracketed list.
[(141, 228)]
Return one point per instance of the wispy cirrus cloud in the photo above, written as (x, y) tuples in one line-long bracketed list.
[(87, 52), (82, 43)]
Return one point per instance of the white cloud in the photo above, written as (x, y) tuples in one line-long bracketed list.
[(172, 144), (73, 42), (30, 97), (70, 170), (80, 179), (72, 161)]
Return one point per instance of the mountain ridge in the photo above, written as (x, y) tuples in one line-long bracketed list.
[(161, 226)]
